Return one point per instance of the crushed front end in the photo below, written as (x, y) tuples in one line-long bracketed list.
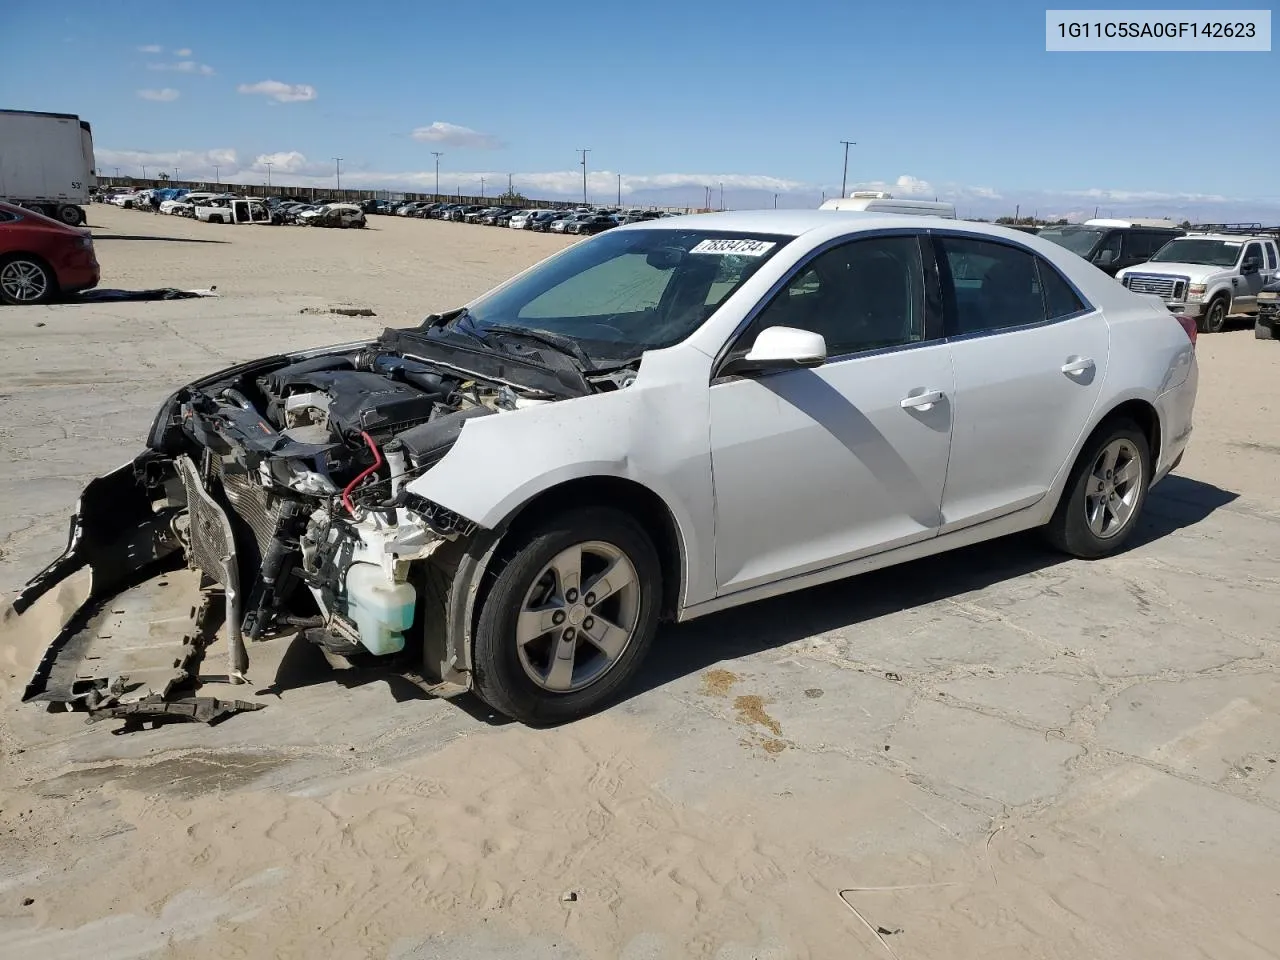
[(282, 484)]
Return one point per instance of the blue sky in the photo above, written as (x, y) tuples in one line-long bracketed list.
[(955, 100)]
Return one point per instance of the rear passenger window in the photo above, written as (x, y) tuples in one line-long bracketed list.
[(992, 286), (1271, 256), (1059, 299)]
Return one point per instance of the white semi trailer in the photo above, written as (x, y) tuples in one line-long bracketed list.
[(46, 162)]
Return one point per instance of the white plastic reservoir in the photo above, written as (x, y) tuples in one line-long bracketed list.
[(382, 610)]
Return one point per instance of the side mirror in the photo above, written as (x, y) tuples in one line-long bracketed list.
[(780, 348), (1106, 257), (1251, 265)]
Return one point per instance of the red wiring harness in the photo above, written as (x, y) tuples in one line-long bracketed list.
[(377, 462)]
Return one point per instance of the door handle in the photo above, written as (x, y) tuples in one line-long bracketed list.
[(1077, 365), (921, 401)]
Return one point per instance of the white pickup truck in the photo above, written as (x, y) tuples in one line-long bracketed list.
[(1208, 276), (229, 210)]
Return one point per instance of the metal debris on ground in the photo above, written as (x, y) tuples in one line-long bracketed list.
[(199, 709)]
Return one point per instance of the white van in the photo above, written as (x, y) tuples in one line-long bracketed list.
[(870, 201)]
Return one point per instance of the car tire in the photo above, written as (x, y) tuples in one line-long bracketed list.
[(522, 672), (1263, 332), (70, 215), (1214, 317), (24, 280), (1098, 512)]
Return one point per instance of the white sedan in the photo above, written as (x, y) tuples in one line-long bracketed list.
[(664, 421)]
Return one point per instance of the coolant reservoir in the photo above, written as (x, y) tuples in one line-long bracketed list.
[(381, 609)]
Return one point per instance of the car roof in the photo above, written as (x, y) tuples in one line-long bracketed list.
[(793, 223)]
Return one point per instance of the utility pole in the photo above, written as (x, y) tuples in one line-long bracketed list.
[(511, 191), (217, 173), (437, 154), (117, 173), (775, 201), (337, 167), (844, 180), (144, 176), (619, 190), (175, 173), (722, 196), (1017, 209), (267, 164), (482, 188), (584, 153)]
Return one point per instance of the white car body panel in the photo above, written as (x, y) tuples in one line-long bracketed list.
[(789, 479)]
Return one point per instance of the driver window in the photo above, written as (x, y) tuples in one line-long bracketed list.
[(1253, 250), (863, 295)]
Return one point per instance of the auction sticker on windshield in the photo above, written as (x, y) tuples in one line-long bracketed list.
[(741, 247)]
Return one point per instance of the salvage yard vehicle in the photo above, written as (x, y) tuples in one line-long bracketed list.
[(333, 215), (593, 224), (1267, 324), (1209, 275), (667, 420), (233, 210), (42, 258), (1112, 245)]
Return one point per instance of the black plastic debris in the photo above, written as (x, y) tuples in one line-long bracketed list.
[(158, 293)]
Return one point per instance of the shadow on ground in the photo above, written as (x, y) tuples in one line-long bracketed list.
[(121, 236), (683, 649)]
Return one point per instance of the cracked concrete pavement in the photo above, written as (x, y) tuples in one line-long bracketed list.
[(990, 753)]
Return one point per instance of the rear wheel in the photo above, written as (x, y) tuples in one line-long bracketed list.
[(1215, 317), (569, 617), (24, 280), (1105, 492), (71, 216)]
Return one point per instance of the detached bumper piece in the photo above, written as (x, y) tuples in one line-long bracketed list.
[(156, 708)]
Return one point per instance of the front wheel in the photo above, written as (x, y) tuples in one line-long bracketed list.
[(1215, 317), (570, 614), (1104, 494)]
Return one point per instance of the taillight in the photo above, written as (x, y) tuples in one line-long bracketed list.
[(1188, 326)]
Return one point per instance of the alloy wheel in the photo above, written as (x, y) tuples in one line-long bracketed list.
[(1115, 484), (24, 281), (578, 617)]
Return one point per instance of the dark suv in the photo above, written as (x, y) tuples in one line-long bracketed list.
[(1112, 245)]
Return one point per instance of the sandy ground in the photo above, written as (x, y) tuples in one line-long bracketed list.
[(989, 754)]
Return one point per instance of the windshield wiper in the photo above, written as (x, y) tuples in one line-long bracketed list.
[(564, 345), (465, 324)]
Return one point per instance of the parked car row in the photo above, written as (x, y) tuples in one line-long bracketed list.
[(210, 207), (582, 221)]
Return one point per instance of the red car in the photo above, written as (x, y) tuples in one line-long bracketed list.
[(42, 259)]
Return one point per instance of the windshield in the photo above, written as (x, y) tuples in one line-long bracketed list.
[(629, 291), (1079, 240), (1214, 253)]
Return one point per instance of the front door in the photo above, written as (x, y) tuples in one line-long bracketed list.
[(1030, 358), (813, 467), (1246, 291)]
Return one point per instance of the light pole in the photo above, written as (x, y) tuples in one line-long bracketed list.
[(117, 173), (482, 188), (337, 169), (619, 190), (267, 164), (722, 196), (217, 173), (144, 171), (437, 154), (775, 201), (511, 191), (844, 179), (584, 153)]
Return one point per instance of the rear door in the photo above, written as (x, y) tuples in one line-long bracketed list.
[(1030, 356)]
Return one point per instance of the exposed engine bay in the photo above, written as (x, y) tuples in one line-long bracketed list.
[(283, 482)]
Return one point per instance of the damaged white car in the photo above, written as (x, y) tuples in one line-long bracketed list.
[(667, 420)]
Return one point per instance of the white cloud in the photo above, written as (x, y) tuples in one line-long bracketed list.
[(150, 48), (164, 95), (456, 136), (184, 66), (280, 92), (195, 164), (183, 53)]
